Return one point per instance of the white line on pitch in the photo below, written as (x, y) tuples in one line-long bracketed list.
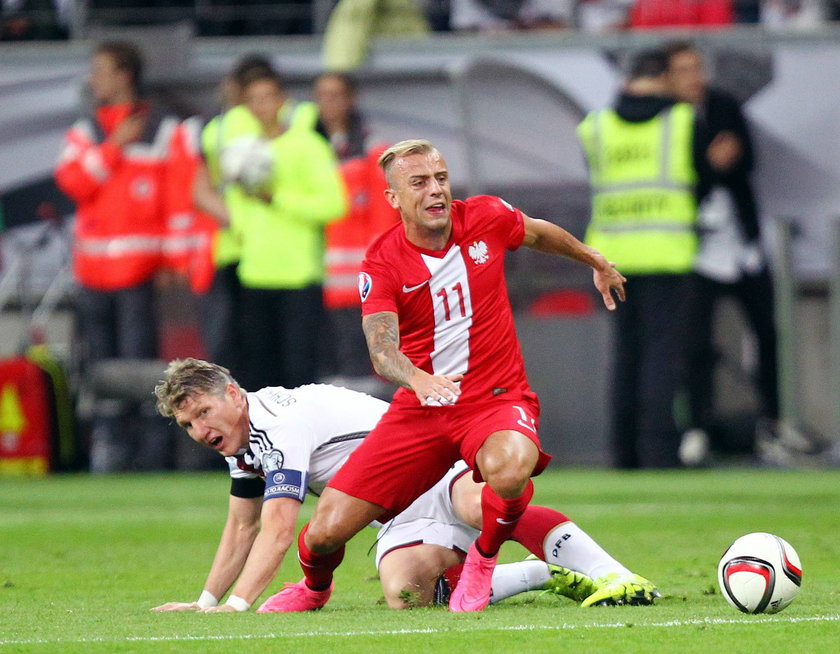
[(396, 632)]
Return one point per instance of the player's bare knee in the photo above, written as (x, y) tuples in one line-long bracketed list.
[(407, 595), (509, 479), (506, 462), (325, 533), (509, 482)]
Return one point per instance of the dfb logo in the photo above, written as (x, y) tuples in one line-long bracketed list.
[(558, 544)]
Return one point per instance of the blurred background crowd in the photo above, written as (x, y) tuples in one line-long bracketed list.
[(61, 19), (163, 199)]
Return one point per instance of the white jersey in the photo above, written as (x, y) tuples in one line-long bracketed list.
[(431, 519), (301, 436)]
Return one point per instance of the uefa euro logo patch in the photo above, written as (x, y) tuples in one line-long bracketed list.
[(365, 283), (272, 460)]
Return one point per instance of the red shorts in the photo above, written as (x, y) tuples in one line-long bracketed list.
[(412, 447)]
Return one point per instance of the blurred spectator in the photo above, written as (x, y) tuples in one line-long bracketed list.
[(681, 13), (603, 15), (347, 239), (257, 17), (730, 261), (489, 15), (116, 166), (280, 225), (220, 303), (229, 202), (353, 24), (339, 119), (33, 20), (801, 14), (647, 167), (747, 11), (437, 13)]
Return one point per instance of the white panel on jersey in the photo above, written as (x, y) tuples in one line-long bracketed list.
[(451, 299)]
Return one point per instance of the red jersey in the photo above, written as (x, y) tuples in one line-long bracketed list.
[(453, 308)]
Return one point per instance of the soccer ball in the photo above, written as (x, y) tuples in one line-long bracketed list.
[(248, 161), (760, 573)]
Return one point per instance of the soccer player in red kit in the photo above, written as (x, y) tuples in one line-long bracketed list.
[(438, 323)]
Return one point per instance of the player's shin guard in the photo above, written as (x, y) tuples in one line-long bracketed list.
[(317, 568), (534, 526), (499, 517)]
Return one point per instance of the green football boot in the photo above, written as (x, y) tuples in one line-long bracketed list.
[(569, 583), (615, 589)]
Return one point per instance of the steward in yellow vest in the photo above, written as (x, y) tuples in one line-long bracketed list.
[(229, 203), (643, 181), (647, 167), (281, 265)]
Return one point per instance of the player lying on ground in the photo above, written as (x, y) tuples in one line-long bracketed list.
[(281, 443), (420, 553)]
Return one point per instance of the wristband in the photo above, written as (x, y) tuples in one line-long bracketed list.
[(238, 603), (207, 599)]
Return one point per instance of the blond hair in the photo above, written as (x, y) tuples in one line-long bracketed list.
[(403, 149), (186, 378)]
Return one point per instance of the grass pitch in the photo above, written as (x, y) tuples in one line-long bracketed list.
[(83, 558)]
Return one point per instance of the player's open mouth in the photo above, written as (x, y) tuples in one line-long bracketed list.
[(215, 442), (440, 207)]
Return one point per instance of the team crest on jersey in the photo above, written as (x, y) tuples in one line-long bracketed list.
[(272, 460), (365, 282), (478, 252)]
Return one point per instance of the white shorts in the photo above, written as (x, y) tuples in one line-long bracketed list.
[(430, 520)]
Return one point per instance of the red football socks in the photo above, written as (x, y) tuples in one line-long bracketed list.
[(317, 568), (534, 526), (499, 518)]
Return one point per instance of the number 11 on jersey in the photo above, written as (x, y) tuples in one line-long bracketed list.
[(443, 294)]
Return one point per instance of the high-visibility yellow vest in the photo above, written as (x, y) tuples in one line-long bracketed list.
[(643, 177), (235, 122), (283, 241)]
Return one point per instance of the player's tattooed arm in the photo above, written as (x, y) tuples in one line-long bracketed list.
[(382, 333)]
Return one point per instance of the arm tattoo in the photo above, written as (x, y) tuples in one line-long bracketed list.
[(383, 341)]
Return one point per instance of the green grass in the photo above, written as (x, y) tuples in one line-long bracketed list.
[(83, 558)]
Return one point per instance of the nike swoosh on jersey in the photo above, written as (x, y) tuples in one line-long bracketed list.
[(409, 289)]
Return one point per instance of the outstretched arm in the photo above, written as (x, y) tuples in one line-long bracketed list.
[(237, 538), (547, 237), (277, 531), (383, 339)]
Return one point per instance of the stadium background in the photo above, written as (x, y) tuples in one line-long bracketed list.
[(448, 87), (83, 557)]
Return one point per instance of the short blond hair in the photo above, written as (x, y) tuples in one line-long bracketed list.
[(187, 378), (403, 149)]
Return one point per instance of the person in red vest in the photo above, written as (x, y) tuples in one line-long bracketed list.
[(115, 166), (341, 122)]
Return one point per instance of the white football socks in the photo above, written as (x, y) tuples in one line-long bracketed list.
[(571, 547), (513, 578), (566, 545)]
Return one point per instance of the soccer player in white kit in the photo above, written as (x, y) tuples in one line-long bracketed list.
[(295, 440)]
